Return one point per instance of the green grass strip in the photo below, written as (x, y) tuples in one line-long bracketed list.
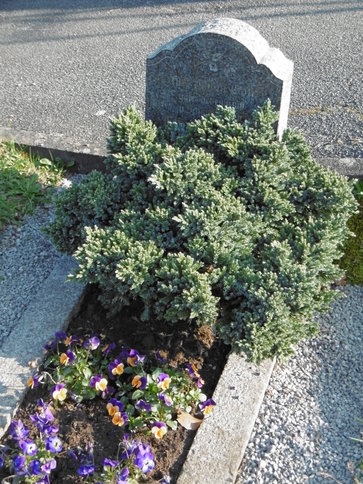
[(25, 182)]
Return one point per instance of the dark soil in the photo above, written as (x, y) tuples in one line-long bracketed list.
[(89, 422)]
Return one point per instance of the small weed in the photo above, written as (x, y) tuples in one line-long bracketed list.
[(352, 260), (25, 180)]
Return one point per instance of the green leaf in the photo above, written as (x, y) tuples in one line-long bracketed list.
[(87, 372), (137, 395), (173, 424)]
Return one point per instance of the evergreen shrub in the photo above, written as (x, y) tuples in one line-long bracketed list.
[(212, 222)]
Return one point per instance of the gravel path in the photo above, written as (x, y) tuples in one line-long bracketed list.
[(27, 257), (312, 404)]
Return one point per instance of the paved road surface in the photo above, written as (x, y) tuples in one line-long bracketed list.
[(67, 66)]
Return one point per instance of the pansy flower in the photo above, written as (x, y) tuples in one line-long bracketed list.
[(59, 392), (134, 358), (158, 429), (207, 406), (60, 336), (120, 419), (116, 368), (114, 406), (99, 383), (164, 381), (141, 405), (49, 346), (193, 370), (85, 470), (49, 465), (108, 348), (33, 381), (139, 382), (92, 343), (129, 446), (71, 339), (110, 462), (28, 446), (200, 382), (122, 477), (144, 459), (18, 430), (162, 356), (166, 399), (19, 463), (54, 444), (67, 358), (43, 419), (194, 374), (35, 467)]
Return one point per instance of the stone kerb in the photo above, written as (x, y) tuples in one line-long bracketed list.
[(222, 62)]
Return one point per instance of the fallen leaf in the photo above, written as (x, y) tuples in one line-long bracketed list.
[(188, 421)]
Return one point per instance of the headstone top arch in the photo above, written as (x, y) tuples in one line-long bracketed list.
[(225, 61)]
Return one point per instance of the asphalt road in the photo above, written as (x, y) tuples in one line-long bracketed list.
[(67, 66)]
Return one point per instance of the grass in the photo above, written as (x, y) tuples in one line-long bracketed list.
[(25, 182), (352, 260)]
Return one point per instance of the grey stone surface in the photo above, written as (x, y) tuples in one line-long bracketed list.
[(85, 157), (22, 351), (221, 440), (221, 62)]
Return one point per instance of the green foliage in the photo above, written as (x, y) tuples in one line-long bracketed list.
[(25, 181), (352, 260), (213, 222), (92, 203)]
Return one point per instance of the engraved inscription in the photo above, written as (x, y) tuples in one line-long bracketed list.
[(212, 66)]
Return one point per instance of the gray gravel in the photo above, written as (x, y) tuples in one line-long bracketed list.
[(312, 404), (27, 257)]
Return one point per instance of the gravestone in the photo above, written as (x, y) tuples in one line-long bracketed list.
[(225, 61)]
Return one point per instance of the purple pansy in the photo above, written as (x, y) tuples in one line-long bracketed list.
[(43, 480), (134, 358), (67, 358), (116, 368), (49, 346), (166, 399), (92, 343), (28, 446), (60, 336), (34, 467), (161, 356), (33, 381), (207, 406), (144, 459), (98, 382), (130, 447), (49, 465), (19, 463), (86, 470), (54, 444), (142, 405), (108, 348), (122, 477), (139, 382), (110, 462), (18, 430)]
